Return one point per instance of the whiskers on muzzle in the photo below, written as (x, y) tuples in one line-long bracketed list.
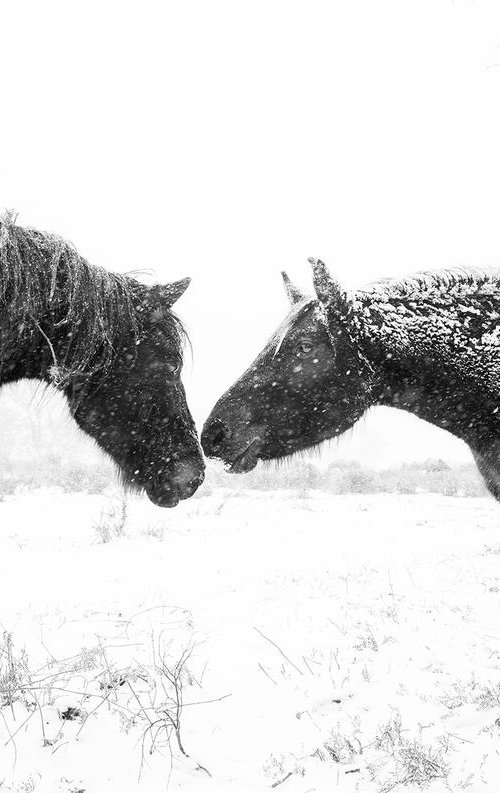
[(166, 486)]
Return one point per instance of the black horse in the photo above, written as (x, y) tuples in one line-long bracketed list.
[(429, 344), (112, 345)]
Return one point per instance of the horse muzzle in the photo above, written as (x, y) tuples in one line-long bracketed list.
[(179, 483), (236, 443)]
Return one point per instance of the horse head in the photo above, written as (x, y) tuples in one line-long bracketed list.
[(137, 411), (309, 383)]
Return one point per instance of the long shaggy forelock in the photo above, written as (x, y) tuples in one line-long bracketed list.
[(288, 323), (175, 331), (46, 285)]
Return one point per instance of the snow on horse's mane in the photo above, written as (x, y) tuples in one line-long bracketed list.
[(466, 280)]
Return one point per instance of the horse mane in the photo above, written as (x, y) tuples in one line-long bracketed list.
[(467, 280), (46, 286)]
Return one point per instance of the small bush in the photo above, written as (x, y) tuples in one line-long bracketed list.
[(408, 762)]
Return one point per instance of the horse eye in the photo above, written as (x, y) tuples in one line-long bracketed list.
[(304, 347), (174, 368)]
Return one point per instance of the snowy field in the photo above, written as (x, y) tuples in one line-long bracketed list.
[(249, 642)]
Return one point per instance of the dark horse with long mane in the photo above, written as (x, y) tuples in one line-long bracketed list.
[(112, 345), (429, 344)]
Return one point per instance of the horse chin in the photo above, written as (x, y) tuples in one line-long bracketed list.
[(243, 466), (246, 460), (163, 497)]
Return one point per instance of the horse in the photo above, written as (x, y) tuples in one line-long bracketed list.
[(112, 345), (428, 344)]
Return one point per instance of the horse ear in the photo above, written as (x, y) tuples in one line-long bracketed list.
[(170, 293), (293, 293), (327, 290)]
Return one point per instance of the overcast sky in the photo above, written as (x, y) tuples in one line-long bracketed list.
[(230, 140)]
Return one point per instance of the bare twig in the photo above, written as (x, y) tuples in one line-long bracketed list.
[(279, 650), (280, 781), (267, 674)]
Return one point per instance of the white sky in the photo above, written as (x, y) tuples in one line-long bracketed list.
[(230, 140)]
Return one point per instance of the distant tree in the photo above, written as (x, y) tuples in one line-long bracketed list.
[(433, 464)]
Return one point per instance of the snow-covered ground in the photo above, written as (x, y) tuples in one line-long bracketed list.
[(299, 642)]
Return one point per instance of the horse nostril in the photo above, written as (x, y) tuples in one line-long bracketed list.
[(214, 436)]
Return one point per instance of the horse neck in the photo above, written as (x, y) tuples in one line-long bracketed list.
[(429, 367)]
